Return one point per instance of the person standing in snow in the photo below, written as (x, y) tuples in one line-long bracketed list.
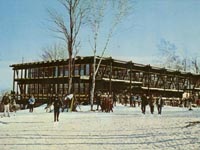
[(190, 100), (144, 102), (14, 105), (133, 99), (98, 100), (57, 103), (31, 102), (125, 99), (114, 99), (151, 104), (6, 103), (159, 103)]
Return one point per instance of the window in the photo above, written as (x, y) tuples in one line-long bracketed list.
[(82, 71), (87, 69), (66, 72), (76, 87), (76, 70), (60, 70)]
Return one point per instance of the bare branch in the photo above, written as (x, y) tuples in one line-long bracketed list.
[(68, 30), (96, 20), (53, 52), (65, 3)]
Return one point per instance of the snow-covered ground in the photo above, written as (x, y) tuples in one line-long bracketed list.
[(125, 128)]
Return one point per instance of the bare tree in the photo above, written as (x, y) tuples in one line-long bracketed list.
[(68, 28), (112, 12), (170, 56), (54, 52), (167, 51), (195, 64)]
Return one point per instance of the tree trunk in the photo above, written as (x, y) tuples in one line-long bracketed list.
[(70, 68), (93, 84), (92, 92)]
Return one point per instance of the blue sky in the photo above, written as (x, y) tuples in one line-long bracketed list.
[(23, 31)]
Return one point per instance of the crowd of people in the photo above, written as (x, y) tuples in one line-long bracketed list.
[(142, 100), (8, 105), (105, 102)]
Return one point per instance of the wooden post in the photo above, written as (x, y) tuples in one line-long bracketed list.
[(110, 77)]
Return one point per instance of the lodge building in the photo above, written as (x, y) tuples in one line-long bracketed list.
[(44, 78)]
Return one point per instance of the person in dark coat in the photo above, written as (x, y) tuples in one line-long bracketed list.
[(114, 99), (159, 103), (57, 103), (98, 100), (190, 100), (144, 102), (151, 104), (125, 99)]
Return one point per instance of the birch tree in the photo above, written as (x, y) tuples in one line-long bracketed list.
[(108, 14)]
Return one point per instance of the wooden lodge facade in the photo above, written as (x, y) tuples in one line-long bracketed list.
[(42, 79)]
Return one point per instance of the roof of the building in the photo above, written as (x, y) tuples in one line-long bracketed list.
[(105, 60)]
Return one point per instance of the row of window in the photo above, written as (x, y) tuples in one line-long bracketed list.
[(53, 71), (104, 71), (57, 88)]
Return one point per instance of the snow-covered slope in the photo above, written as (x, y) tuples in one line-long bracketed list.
[(125, 128)]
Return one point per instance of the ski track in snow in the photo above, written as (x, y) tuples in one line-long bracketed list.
[(124, 129)]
